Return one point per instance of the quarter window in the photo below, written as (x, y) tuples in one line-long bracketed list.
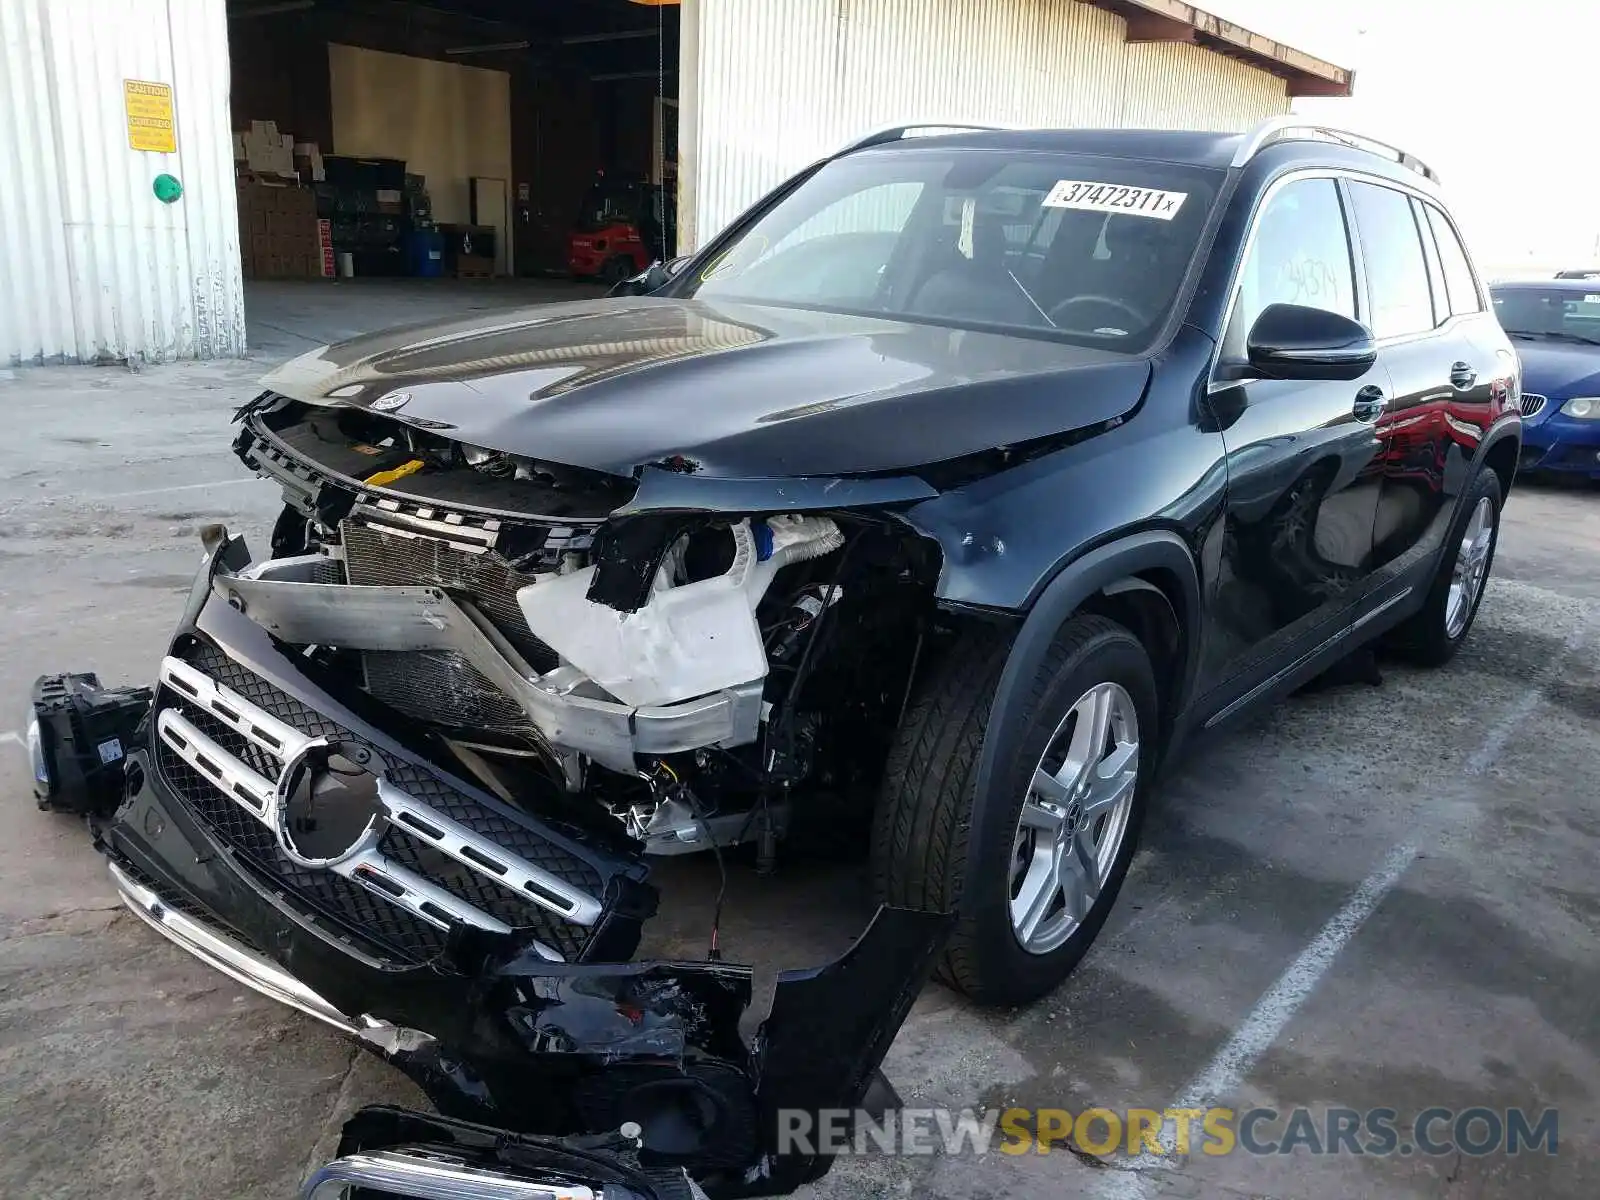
[(1300, 254), (1458, 279), (1397, 272)]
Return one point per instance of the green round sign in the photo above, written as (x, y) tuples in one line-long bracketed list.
[(167, 189)]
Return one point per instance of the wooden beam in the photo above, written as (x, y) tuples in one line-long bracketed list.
[(1153, 27)]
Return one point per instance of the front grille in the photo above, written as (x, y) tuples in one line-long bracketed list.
[(1533, 403), (393, 931), (378, 558)]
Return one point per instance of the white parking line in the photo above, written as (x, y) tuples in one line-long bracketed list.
[(1253, 1038), (11, 735), (1273, 1012), (179, 487), (1517, 715)]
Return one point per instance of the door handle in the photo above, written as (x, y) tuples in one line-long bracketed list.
[(1462, 376), (1370, 403)]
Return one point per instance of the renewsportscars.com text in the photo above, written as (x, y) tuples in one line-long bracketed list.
[(1476, 1131)]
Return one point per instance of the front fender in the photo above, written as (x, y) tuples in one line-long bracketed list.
[(1151, 550)]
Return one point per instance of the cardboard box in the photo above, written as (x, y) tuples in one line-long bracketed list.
[(308, 162), (267, 150), (240, 154)]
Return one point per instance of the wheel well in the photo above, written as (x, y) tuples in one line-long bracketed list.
[(1148, 604), (1502, 460)]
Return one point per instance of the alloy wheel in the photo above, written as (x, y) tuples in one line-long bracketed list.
[(1074, 818), (1471, 567)]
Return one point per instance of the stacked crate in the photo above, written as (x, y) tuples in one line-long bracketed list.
[(279, 237)]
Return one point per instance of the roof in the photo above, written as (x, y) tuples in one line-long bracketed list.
[(1179, 146), (1276, 140), (1174, 21)]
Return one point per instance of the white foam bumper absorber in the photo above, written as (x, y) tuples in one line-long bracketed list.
[(689, 640)]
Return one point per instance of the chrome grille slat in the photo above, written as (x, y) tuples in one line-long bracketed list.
[(260, 728), (1533, 403), (257, 796), (486, 858)]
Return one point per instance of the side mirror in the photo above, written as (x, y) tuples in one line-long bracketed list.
[(655, 277), (1294, 341)]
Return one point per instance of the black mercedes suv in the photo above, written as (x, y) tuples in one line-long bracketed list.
[(933, 504)]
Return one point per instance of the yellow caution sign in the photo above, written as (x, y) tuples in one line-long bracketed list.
[(150, 122)]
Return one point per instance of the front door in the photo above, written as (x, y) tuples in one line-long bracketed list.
[(1304, 460)]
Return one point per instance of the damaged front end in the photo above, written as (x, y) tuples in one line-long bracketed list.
[(408, 773)]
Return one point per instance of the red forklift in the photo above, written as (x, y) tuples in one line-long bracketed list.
[(624, 225)]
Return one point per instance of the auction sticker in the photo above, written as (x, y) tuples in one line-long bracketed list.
[(1115, 198)]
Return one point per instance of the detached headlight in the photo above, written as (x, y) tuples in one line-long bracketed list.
[(1583, 407), (43, 784)]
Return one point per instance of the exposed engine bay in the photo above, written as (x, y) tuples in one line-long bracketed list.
[(701, 678)]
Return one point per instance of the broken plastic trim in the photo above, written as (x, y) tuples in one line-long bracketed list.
[(658, 1044)]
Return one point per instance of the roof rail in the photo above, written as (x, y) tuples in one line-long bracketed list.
[(895, 132), (1279, 129)]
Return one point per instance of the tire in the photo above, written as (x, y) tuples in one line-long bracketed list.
[(937, 844), (1432, 636), (617, 269)]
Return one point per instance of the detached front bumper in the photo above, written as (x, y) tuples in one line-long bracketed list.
[(473, 943)]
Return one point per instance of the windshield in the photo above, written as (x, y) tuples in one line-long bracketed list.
[(1564, 314), (1091, 249)]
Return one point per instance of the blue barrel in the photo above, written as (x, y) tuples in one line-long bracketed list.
[(427, 253)]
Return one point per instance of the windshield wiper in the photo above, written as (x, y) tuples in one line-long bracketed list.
[(1554, 335)]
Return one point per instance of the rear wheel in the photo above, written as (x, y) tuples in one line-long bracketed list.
[(1033, 862), (1432, 636), (617, 269)]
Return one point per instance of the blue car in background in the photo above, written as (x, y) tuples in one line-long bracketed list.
[(1556, 327)]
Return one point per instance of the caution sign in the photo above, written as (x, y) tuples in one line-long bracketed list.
[(150, 124)]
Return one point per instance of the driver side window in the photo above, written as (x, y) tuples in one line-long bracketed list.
[(1300, 255)]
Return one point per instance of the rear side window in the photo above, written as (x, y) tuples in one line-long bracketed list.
[(1458, 279), (1300, 254), (1397, 272)]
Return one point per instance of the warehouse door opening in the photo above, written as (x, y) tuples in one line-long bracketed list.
[(528, 146)]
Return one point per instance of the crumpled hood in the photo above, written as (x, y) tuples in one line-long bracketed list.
[(736, 391), (1559, 370)]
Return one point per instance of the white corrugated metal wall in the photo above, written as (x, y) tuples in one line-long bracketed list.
[(93, 267), (769, 86)]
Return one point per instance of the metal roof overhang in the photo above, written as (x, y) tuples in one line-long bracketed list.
[(1175, 21)]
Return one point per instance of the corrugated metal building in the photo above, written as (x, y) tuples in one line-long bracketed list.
[(771, 85), (94, 265), (103, 106)]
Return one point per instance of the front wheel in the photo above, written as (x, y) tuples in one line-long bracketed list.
[(1432, 636), (1034, 862)]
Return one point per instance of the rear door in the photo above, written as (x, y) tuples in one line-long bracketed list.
[(1302, 456), (1441, 378)]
